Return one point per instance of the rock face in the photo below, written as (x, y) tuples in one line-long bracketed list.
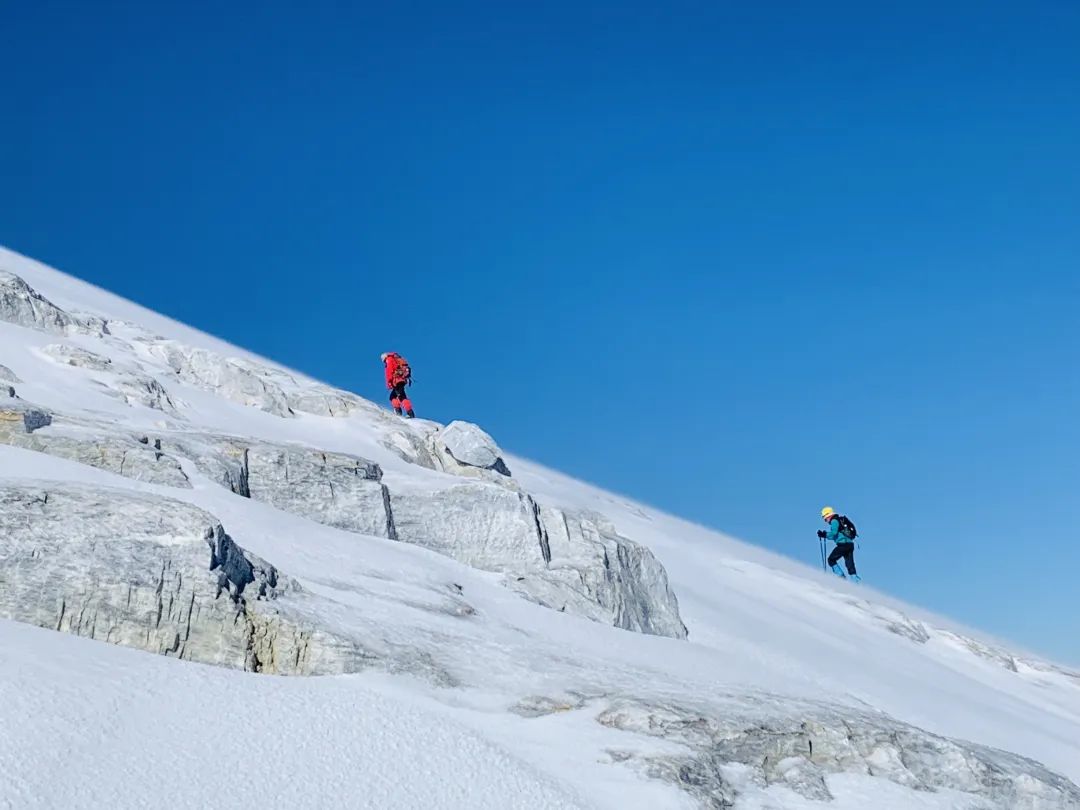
[(154, 574), (234, 379), (331, 488), (460, 448), (796, 746), (334, 489), (19, 418), (573, 563), (22, 305), (22, 425), (140, 389), (74, 356), (478, 524), (253, 384), (468, 445), (322, 400), (593, 571), (570, 563)]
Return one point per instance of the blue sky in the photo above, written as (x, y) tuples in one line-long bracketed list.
[(735, 260)]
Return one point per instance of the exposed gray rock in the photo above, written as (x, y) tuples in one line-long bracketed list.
[(799, 747), (542, 705), (22, 425), (157, 575), (1046, 667), (20, 304), (134, 387), (90, 323), (254, 384), (593, 571), (920, 632), (117, 453), (576, 564), (460, 448), (235, 379), (80, 358), (19, 418), (478, 524), (467, 444), (331, 488), (334, 489), (220, 458), (7, 375), (995, 655), (410, 446), (322, 400), (140, 389), (589, 570)]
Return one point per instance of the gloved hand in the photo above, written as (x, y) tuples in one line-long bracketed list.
[(821, 534)]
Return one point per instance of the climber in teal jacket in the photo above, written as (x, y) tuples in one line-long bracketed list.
[(845, 542)]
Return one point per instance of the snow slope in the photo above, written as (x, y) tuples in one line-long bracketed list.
[(467, 694)]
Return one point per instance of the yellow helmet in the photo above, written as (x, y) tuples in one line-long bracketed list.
[(827, 511)]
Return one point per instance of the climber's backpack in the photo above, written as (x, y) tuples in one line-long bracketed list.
[(402, 371), (847, 528)]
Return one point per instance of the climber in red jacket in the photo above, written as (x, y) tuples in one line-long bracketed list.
[(398, 376)]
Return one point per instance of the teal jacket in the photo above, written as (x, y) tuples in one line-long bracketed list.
[(834, 533)]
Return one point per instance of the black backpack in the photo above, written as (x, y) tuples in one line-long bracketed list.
[(847, 528)]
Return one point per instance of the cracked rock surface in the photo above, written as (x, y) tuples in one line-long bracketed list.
[(567, 562), (22, 305), (764, 741), (154, 574)]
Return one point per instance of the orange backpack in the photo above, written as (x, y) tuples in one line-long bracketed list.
[(402, 371)]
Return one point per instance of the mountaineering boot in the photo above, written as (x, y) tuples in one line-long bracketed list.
[(397, 411), (855, 578), (836, 569), (409, 414)]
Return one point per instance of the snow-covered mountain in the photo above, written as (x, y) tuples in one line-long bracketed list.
[(491, 633)]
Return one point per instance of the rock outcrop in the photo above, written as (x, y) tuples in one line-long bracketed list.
[(20, 304), (460, 448), (778, 743), (7, 375), (157, 575), (254, 384), (74, 356), (141, 389), (19, 418), (465, 444), (24, 425), (234, 379), (571, 563), (335, 489), (322, 400), (591, 570)]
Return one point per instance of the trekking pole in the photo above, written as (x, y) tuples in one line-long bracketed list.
[(821, 540)]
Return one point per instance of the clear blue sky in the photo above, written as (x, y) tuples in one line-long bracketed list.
[(737, 260)]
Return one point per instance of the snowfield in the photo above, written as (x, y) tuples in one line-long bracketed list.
[(307, 602)]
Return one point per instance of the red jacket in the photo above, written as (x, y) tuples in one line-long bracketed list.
[(396, 370)]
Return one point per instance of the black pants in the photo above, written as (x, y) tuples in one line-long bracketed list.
[(847, 551), (398, 392)]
